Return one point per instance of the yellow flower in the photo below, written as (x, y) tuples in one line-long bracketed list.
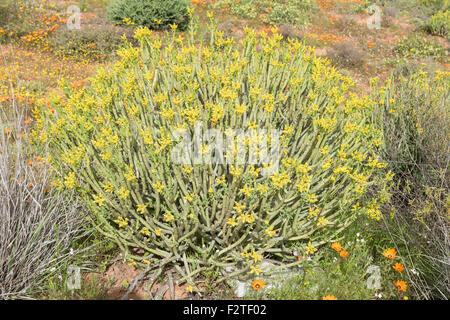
[(312, 198), (169, 217), (121, 222), (158, 232), (105, 156), (256, 257), (270, 232), (189, 197), (322, 221), (238, 207), (329, 297), (99, 199), (327, 163), (241, 108), (324, 150), (70, 181), (280, 180), (232, 222), (109, 187), (255, 269), (141, 208), (246, 190), (310, 249), (145, 231), (123, 193), (188, 169), (313, 212), (158, 187), (142, 32), (167, 113), (220, 180), (131, 262), (130, 175), (235, 171)]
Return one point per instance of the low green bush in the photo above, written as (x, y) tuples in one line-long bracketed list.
[(154, 14)]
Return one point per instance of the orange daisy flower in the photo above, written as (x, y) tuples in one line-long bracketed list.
[(329, 297), (398, 267), (390, 253), (401, 285), (336, 246), (343, 254), (258, 284)]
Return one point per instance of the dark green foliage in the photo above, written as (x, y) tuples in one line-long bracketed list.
[(154, 14)]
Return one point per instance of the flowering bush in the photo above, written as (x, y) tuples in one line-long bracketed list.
[(114, 144)]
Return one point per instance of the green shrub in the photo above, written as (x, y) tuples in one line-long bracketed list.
[(439, 24), (154, 14), (114, 143)]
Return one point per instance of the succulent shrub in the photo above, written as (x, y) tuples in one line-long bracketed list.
[(114, 141), (154, 14)]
